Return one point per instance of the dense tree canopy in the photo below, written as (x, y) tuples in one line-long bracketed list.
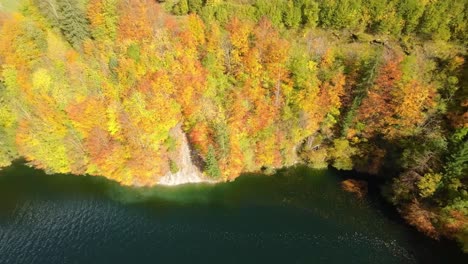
[(97, 87)]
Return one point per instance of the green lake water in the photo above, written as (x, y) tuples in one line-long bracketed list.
[(298, 215)]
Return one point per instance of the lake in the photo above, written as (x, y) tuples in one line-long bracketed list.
[(299, 215)]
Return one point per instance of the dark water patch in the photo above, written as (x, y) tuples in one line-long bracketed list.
[(296, 216)]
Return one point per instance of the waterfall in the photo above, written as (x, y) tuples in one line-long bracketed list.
[(188, 172)]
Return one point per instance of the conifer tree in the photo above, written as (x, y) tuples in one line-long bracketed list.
[(48, 9), (292, 15), (181, 8), (310, 11), (457, 166), (195, 5), (73, 22), (212, 167)]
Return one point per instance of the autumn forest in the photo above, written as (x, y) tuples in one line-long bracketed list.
[(100, 87)]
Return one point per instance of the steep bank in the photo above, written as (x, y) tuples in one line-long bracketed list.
[(186, 171)]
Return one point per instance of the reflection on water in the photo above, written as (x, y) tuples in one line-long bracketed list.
[(297, 216)]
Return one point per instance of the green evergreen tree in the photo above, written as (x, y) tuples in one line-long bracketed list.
[(48, 8), (458, 15), (341, 14), (411, 12), (222, 139), (273, 9), (8, 124), (310, 13), (292, 15), (73, 22), (181, 8), (457, 166), (195, 5), (212, 167)]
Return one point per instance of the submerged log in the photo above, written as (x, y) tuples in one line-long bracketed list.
[(355, 186)]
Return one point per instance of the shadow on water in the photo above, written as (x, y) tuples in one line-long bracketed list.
[(425, 249), (288, 216)]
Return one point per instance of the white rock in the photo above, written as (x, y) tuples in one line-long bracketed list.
[(188, 172)]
